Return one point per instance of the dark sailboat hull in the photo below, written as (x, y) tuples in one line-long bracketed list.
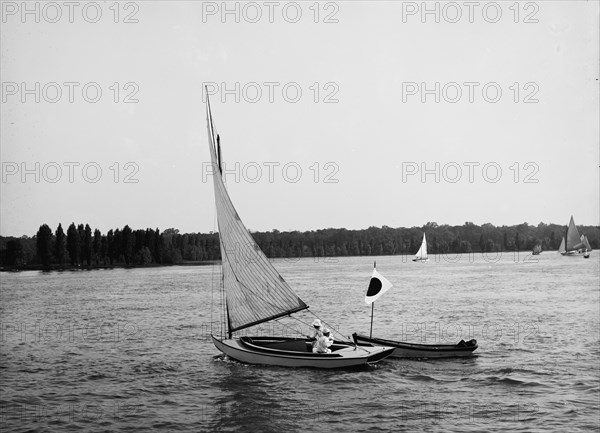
[(415, 350), (296, 352)]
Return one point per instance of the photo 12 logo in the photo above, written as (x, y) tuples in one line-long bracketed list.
[(272, 91), (468, 171), (453, 332), (458, 412), (470, 11), (53, 172), (78, 412), (271, 171), (69, 332), (69, 91), (270, 12), (469, 91), (69, 12)]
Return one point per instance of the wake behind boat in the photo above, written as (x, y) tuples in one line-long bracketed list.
[(253, 292)]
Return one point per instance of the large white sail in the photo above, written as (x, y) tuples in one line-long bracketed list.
[(254, 290)]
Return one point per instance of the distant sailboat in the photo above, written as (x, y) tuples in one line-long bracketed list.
[(421, 255), (253, 292), (572, 243), (561, 248), (587, 248)]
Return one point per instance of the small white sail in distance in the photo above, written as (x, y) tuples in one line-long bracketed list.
[(422, 253), (377, 287), (561, 248), (586, 243)]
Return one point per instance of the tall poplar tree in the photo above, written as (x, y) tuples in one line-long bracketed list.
[(60, 249), (44, 245)]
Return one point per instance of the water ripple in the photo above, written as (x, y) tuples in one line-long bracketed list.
[(130, 350)]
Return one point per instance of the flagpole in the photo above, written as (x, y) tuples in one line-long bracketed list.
[(372, 308)]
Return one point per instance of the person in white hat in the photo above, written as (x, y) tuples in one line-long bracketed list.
[(317, 332), (323, 342)]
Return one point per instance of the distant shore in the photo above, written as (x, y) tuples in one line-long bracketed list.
[(38, 267), (95, 267), (127, 247)]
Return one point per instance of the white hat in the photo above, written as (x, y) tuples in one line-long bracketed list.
[(325, 331), (317, 323)]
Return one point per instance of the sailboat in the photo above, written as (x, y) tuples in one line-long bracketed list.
[(379, 285), (572, 243), (587, 248), (421, 255), (253, 293)]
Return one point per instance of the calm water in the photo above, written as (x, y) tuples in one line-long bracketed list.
[(129, 350)]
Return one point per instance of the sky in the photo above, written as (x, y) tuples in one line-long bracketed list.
[(330, 114)]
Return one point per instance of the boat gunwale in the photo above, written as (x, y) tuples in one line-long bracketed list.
[(286, 353)]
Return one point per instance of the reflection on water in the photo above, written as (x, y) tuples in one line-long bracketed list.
[(131, 349)]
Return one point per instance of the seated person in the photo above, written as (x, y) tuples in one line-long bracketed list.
[(323, 342), (317, 331)]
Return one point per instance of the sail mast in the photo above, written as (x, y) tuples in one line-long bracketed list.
[(567, 236), (211, 133)]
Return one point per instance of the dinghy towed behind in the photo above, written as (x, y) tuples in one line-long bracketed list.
[(377, 287)]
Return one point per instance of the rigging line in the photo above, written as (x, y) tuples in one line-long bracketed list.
[(212, 280), (286, 325), (322, 321), (212, 296), (221, 288), (335, 330), (343, 339), (223, 310)]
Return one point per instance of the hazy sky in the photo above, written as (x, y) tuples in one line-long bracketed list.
[(327, 113)]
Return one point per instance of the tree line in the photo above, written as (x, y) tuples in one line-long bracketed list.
[(81, 246)]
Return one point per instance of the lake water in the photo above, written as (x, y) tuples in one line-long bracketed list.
[(129, 349)]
